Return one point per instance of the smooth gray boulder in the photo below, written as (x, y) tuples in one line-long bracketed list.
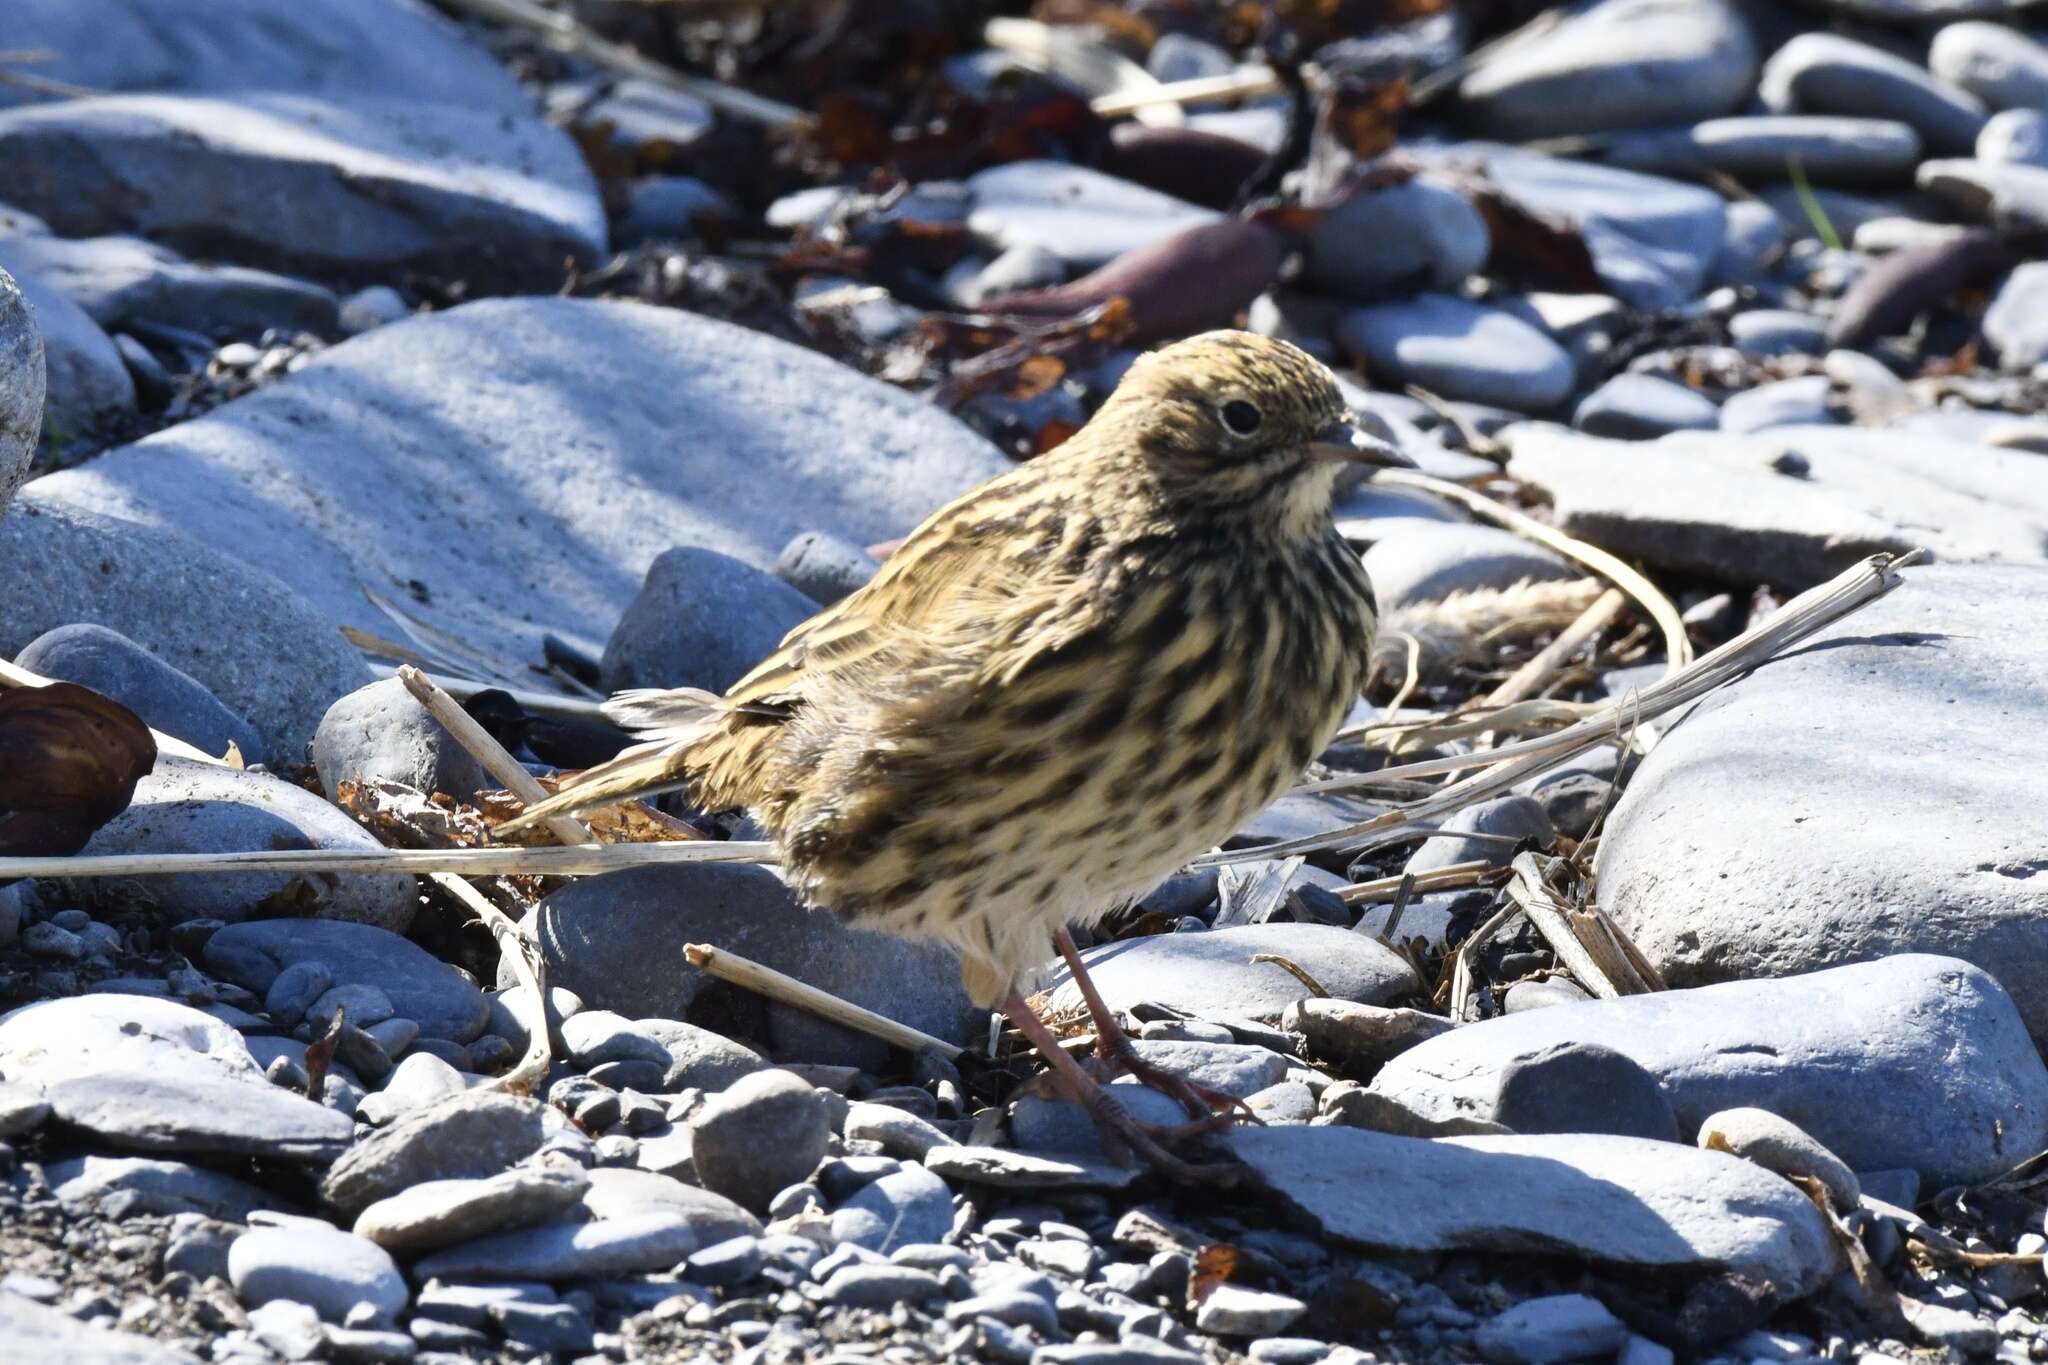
[(122, 280), (360, 188), (154, 1075), (441, 1000), (1083, 216), (1620, 64), (1212, 974), (1764, 835), (1911, 1061), (88, 394), (2000, 65), (362, 48), (1619, 1201), (1790, 506), (382, 733), (1826, 73), (22, 380), (247, 638), (167, 698), (702, 619), (1460, 349), (185, 806), (521, 462)]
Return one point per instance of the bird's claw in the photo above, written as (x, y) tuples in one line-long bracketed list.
[(1211, 1109), (1121, 1132)]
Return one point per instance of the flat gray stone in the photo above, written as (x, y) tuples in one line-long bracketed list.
[(1612, 1200), (420, 452), (228, 623), (157, 1076), (1379, 241), (1792, 506), (1555, 1328), (621, 1192), (1008, 1170), (903, 1208), (1786, 403), (421, 987), (367, 47), (439, 1213), (324, 1267), (1424, 562), (1212, 974), (120, 281), (22, 384), (185, 806), (165, 697), (1652, 239), (1621, 64), (125, 1185), (632, 1245), (2009, 194), (1826, 73), (469, 1136), (2001, 66), (51, 1336), (1805, 860), (365, 186), (1459, 349), (1912, 1061), (1639, 407), (1083, 216), (617, 940), (1829, 148)]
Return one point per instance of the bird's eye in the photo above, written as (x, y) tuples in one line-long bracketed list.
[(1241, 417)]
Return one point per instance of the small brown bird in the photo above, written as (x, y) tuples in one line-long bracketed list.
[(1064, 684)]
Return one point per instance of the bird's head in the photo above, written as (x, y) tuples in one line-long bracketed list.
[(1237, 420)]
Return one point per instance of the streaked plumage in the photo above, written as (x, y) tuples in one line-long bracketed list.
[(1065, 683)]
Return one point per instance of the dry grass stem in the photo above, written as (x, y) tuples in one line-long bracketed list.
[(499, 860), (1295, 970), (1086, 63), (1457, 876), (1240, 84), (525, 1078), (546, 703), (1677, 645), (775, 985), (465, 731), (1527, 680), (1532, 895), (564, 34)]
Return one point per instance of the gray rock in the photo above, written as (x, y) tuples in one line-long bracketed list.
[(1460, 349), (1006, 1170), (1828, 74), (1132, 1350), (1611, 1200), (382, 733), (1622, 64), (1753, 239), (1235, 1069), (414, 1083), (597, 1036), (369, 48), (279, 666), (617, 941), (1638, 407), (898, 1132), (903, 1208), (126, 1185), (1360, 1037), (1780, 1145), (23, 379), (1791, 507), (1509, 820), (621, 1192), (120, 281), (439, 1213), (167, 698), (1212, 973), (880, 1286), (1082, 216), (1785, 403), (1777, 331), (31, 1331), (2010, 194), (185, 806), (1910, 1061), (440, 999), (667, 207), (1652, 239), (631, 1245), (89, 391), (702, 619), (370, 308), (766, 1132), (2000, 65), (1828, 149), (698, 1058), (22, 1109), (369, 185), (477, 417), (2016, 135), (1538, 995), (824, 567), (1427, 562), (1581, 1088), (157, 1076), (1232, 1310), (1380, 241), (470, 1136), (1548, 1330), (2017, 320), (308, 1263), (1824, 876)]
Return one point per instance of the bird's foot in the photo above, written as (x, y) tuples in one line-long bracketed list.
[(1123, 1135), (1210, 1109)]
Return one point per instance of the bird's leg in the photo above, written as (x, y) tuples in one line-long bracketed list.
[(1110, 1119), (1113, 1049)]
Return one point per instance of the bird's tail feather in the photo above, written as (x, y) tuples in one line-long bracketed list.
[(669, 723)]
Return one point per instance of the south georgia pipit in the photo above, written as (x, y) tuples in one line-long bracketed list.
[(1064, 684)]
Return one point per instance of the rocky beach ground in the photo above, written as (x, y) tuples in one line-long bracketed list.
[(571, 347)]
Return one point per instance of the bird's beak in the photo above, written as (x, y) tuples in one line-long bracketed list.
[(1345, 441)]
